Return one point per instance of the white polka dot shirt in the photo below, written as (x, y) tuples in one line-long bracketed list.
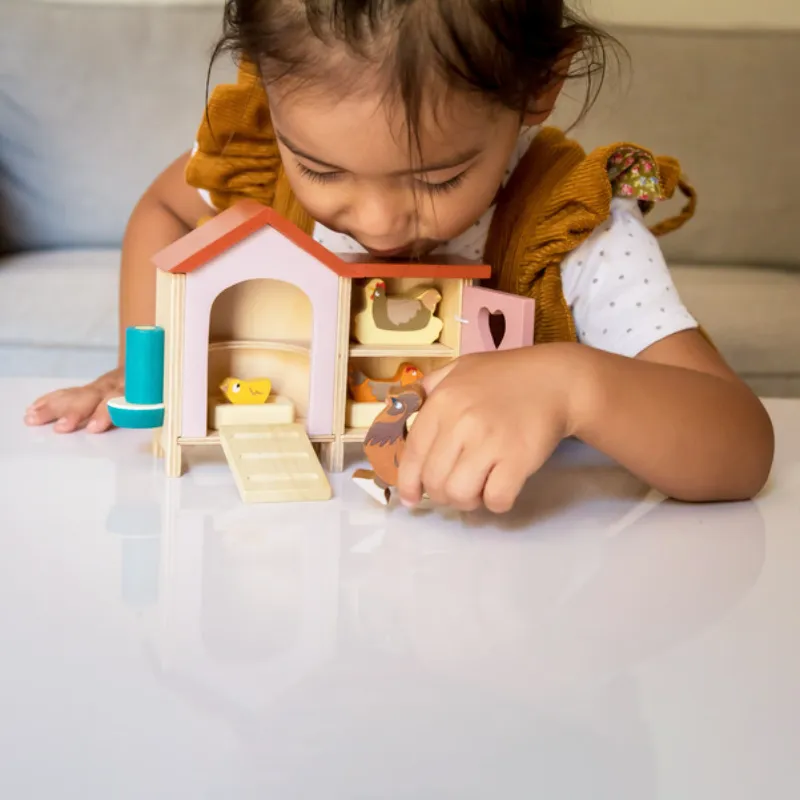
[(619, 288)]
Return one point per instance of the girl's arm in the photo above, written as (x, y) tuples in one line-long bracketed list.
[(676, 416), (674, 413), (168, 210)]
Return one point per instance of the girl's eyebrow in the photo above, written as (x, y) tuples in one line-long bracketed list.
[(456, 161)]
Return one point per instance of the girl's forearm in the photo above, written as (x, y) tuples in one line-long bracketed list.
[(168, 210), (692, 436), (151, 228)]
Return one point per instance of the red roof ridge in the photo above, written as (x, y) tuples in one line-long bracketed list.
[(243, 219)]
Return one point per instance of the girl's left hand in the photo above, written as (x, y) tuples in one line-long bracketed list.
[(489, 422)]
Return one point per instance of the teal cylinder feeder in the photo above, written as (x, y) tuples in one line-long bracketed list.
[(143, 403), (144, 365)]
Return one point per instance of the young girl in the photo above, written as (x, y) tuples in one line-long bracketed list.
[(405, 128)]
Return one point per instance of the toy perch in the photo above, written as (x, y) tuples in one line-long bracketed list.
[(386, 440)]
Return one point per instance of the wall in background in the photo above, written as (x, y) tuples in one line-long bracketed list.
[(717, 14), (219, 3)]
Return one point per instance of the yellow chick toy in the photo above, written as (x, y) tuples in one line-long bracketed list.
[(246, 393)]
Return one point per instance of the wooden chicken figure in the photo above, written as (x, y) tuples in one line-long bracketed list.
[(246, 393), (386, 440), (404, 319), (364, 389)]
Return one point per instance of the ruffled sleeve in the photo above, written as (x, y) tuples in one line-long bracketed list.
[(237, 154), (635, 174)]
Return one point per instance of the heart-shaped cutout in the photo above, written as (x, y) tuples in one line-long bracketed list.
[(493, 327), (497, 327)]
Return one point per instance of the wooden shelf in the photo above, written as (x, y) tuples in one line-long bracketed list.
[(213, 440), (206, 441), (354, 434), (301, 347), (434, 350)]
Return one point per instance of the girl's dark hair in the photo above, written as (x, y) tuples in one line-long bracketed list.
[(507, 51)]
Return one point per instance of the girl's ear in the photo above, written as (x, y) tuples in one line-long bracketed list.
[(543, 104)]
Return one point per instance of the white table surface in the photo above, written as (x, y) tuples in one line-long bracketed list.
[(161, 640)]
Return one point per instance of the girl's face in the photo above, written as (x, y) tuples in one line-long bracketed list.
[(349, 164)]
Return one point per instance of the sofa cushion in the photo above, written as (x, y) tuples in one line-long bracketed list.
[(726, 106), (60, 299), (95, 101), (749, 312), (65, 366)]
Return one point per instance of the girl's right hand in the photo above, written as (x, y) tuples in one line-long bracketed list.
[(79, 407)]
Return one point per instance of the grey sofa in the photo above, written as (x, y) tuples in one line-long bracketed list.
[(96, 100)]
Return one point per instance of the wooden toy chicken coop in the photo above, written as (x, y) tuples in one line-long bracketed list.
[(248, 302)]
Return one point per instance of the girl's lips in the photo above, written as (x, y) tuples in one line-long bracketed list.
[(398, 251), (413, 250)]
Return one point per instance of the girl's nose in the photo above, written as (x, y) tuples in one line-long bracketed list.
[(383, 218)]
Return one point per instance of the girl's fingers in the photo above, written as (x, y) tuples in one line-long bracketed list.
[(433, 379), (69, 409), (420, 439), (503, 485), (43, 410), (69, 422), (443, 455), (466, 481), (40, 415), (38, 404), (100, 420)]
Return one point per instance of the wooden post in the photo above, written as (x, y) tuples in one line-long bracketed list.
[(170, 303), (333, 452)]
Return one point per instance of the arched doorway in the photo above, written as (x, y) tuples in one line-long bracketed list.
[(262, 328), (270, 261)]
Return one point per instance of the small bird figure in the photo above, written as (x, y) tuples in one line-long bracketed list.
[(404, 319), (386, 440), (246, 393), (364, 389)]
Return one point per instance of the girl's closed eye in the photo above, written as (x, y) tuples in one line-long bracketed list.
[(318, 177), (445, 186), (439, 187)]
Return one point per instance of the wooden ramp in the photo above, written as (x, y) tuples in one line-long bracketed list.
[(274, 463)]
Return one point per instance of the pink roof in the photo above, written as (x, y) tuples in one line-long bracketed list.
[(248, 216)]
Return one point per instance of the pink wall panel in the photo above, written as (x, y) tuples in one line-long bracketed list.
[(266, 254), (478, 304)]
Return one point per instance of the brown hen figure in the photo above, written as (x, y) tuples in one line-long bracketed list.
[(400, 319), (375, 390), (386, 438)]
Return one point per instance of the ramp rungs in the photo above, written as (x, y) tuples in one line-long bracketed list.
[(269, 456), (274, 463)]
